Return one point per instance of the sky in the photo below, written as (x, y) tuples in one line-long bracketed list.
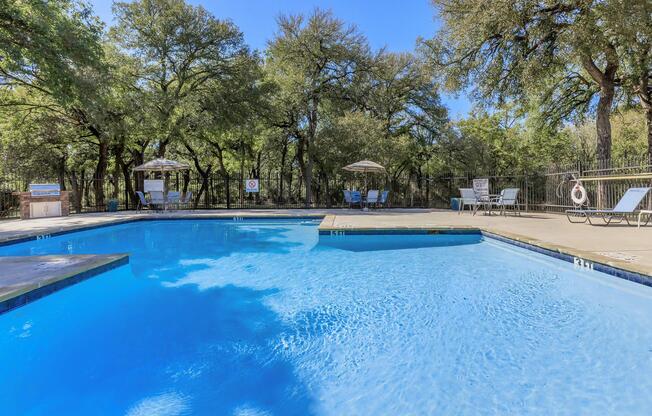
[(394, 24)]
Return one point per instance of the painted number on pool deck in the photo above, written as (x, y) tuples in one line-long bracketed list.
[(582, 264)]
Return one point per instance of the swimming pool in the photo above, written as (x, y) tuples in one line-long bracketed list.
[(262, 317)]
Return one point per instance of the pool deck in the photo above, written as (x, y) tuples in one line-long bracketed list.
[(619, 246), (27, 278)]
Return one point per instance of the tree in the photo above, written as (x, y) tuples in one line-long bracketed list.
[(560, 52), (312, 60), (631, 21), (46, 45), (180, 49)]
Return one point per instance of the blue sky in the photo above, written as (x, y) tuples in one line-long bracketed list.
[(394, 24)]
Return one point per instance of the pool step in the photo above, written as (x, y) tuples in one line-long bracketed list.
[(24, 279)]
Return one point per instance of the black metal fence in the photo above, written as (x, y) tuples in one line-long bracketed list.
[(547, 190)]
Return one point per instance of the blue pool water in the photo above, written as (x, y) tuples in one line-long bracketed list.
[(267, 318)]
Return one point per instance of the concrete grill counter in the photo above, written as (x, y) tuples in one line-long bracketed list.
[(44, 200)]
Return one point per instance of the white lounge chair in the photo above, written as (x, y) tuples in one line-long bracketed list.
[(625, 207)]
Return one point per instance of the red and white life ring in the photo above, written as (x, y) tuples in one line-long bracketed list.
[(578, 194)]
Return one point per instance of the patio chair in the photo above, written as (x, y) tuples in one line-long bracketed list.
[(508, 198), (469, 198), (157, 199), (625, 207), (352, 198), (174, 199), (372, 198), (142, 201), (356, 198), (186, 201), (382, 201)]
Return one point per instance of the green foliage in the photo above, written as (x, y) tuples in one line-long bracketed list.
[(46, 45), (170, 79)]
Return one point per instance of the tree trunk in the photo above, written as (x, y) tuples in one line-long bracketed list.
[(284, 153), (77, 190), (162, 148), (312, 132), (607, 81), (61, 170), (126, 174), (100, 174), (645, 95), (138, 157), (602, 122), (648, 118), (118, 150)]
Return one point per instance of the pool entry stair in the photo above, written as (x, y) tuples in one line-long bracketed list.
[(24, 279)]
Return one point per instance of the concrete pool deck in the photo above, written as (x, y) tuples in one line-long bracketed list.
[(27, 278), (618, 246)]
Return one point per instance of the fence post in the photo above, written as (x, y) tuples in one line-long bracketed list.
[(228, 192), (527, 193)]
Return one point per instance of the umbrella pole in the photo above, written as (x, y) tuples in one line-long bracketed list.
[(366, 188)]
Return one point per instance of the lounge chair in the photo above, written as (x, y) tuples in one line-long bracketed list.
[(157, 199), (469, 198), (625, 207), (174, 198), (142, 201), (352, 198), (508, 198), (372, 198), (347, 197), (382, 201)]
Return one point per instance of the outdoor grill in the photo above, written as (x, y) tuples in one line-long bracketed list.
[(43, 200)]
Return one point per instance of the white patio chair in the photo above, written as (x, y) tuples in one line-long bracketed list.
[(508, 199), (469, 198)]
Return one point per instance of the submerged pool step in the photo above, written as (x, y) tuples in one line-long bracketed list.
[(24, 279)]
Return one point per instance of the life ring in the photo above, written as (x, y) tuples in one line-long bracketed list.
[(578, 194)]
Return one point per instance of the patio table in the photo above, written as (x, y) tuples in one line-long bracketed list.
[(491, 198)]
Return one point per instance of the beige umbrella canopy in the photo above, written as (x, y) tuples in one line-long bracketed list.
[(365, 166), (162, 165)]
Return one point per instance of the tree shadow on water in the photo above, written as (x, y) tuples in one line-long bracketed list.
[(223, 352)]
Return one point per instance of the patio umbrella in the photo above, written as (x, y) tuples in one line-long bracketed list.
[(365, 166), (162, 165)]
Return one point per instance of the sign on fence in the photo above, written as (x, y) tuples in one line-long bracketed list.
[(154, 185), (251, 185)]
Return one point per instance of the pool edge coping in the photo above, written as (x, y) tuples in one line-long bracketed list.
[(56, 231)]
